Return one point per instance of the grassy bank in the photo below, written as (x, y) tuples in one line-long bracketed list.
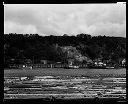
[(70, 72)]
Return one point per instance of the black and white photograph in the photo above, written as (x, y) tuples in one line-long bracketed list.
[(65, 53)]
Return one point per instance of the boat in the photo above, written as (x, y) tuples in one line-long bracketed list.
[(26, 67), (71, 67)]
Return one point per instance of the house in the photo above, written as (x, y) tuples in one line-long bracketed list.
[(12, 61), (44, 61), (123, 62), (28, 61), (70, 61), (98, 62)]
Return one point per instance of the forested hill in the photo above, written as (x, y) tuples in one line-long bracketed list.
[(50, 47)]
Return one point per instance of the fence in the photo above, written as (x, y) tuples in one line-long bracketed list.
[(44, 65)]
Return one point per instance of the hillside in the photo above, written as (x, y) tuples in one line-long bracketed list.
[(82, 47)]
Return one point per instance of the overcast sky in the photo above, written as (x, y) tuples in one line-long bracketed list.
[(71, 19)]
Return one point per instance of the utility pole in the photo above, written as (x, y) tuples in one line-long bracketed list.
[(33, 59), (51, 65)]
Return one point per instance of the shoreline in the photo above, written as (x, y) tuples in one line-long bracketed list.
[(65, 72)]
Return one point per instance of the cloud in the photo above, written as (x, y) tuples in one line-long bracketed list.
[(108, 28), (11, 27), (59, 19)]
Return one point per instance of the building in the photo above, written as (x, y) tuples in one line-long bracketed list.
[(44, 61), (123, 62), (70, 61), (99, 63), (28, 61)]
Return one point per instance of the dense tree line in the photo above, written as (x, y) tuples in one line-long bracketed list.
[(29, 46)]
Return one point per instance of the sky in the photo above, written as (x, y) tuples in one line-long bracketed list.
[(71, 19)]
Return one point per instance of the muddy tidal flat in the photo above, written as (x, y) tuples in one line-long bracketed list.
[(91, 83)]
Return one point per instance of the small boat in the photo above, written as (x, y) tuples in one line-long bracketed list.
[(71, 67), (110, 67), (26, 67)]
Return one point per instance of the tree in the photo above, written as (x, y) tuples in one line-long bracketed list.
[(51, 47)]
